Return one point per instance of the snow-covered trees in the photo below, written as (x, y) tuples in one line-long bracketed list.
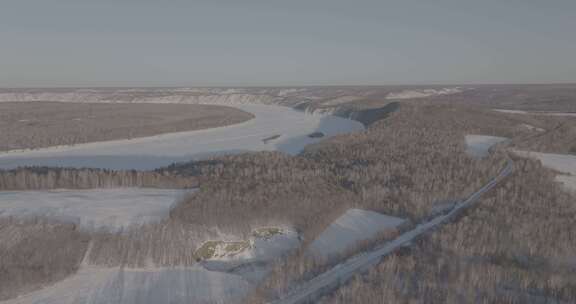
[(36, 178)]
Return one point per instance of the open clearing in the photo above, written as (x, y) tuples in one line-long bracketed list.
[(479, 145), (353, 226), (564, 163), (162, 150), (30, 125), (97, 208)]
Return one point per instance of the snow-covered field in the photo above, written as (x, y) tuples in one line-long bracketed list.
[(479, 145), (108, 208), (346, 231), (414, 94), (117, 208), (156, 151), (560, 162), (97, 285)]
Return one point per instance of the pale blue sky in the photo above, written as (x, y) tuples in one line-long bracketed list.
[(290, 42)]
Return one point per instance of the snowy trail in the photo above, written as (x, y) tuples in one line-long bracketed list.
[(363, 261)]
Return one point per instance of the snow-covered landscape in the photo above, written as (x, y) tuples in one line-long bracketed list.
[(222, 279), (162, 150), (287, 152)]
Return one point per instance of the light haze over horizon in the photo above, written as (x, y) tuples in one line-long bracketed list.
[(62, 43)]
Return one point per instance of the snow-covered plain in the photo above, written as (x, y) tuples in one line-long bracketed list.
[(92, 209), (346, 231), (479, 145), (162, 150), (182, 285), (563, 163)]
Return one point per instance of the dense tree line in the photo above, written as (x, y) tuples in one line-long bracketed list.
[(34, 125), (38, 178)]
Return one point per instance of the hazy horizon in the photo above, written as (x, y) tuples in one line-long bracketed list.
[(66, 43)]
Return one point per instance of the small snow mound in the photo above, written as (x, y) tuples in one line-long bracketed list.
[(479, 145), (353, 226)]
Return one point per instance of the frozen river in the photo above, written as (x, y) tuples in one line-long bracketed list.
[(289, 129)]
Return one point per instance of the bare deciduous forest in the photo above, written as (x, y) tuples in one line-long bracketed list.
[(37, 252), (517, 246), (41, 178), (32, 125)]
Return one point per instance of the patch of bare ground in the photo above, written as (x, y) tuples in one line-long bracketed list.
[(31, 125)]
